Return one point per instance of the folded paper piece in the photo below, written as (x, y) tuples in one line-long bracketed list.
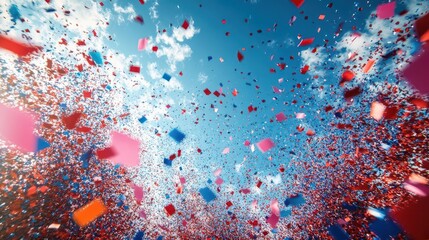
[(90, 212), (265, 145), (417, 72), (123, 150), (421, 27), (142, 44), (337, 232), (280, 117), (207, 194), (377, 110), (96, 57), (297, 3), (166, 77), (386, 10), (16, 47), (17, 127), (414, 218), (177, 135)]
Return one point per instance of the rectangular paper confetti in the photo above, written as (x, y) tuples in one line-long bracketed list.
[(265, 145), (88, 213)]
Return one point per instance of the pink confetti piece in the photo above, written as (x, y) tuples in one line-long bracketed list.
[(246, 143), (276, 90), (142, 214), (300, 115), (386, 10), (245, 191), (219, 181), (138, 193), (17, 127), (274, 206), (280, 117), (127, 150), (182, 180), (142, 44), (225, 151), (273, 220), (217, 172), (265, 145)]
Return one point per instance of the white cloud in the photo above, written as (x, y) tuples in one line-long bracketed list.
[(129, 12), (315, 61), (171, 47), (180, 34), (202, 77), (153, 10)]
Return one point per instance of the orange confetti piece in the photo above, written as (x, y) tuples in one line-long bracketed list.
[(368, 66), (377, 110), (88, 213)]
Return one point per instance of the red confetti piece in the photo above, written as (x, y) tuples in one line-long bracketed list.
[(306, 42), (352, 92), (304, 69), (154, 48), (135, 69), (139, 19), (207, 91), (16, 47), (347, 76), (414, 218), (71, 120), (185, 24), (297, 3), (105, 153), (421, 27), (170, 209), (240, 56), (141, 1)]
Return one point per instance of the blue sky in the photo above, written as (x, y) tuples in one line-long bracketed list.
[(262, 32)]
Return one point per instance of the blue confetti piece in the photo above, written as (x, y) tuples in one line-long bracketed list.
[(168, 162), (285, 213), (42, 144), (207, 194), (385, 229), (166, 76), (142, 119), (50, 10), (139, 235), (160, 238), (14, 13), (177, 135), (209, 58), (96, 57), (338, 233), (63, 106), (295, 201)]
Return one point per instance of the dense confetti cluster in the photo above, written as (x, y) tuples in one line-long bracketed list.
[(250, 119)]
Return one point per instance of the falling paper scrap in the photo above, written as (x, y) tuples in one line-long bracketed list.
[(17, 127), (177, 135), (16, 47), (90, 212), (123, 150), (416, 72), (265, 145), (207, 194), (386, 10)]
